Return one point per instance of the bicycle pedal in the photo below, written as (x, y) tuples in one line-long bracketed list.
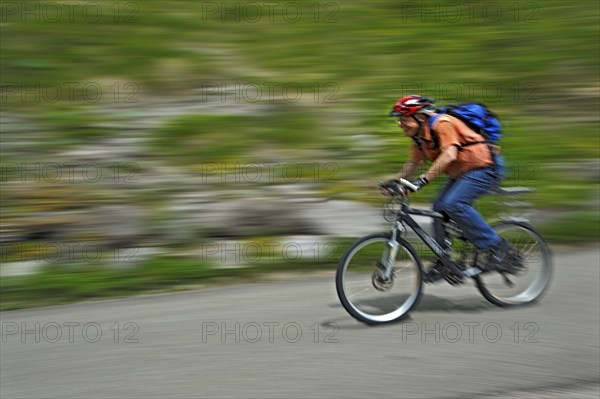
[(432, 276), (507, 280), (454, 280), (473, 271)]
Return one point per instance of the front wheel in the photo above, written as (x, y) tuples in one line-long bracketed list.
[(363, 289), (528, 277)]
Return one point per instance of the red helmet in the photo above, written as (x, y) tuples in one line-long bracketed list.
[(410, 105)]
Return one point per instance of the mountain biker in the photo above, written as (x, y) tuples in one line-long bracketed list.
[(472, 170)]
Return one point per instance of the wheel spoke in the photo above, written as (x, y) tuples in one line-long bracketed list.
[(361, 291), (527, 253)]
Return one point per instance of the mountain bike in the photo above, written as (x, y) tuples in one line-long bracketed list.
[(380, 278)]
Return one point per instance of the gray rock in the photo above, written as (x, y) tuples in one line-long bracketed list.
[(255, 217)]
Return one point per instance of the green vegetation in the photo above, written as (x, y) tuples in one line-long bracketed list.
[(575, 227), (56, 284)]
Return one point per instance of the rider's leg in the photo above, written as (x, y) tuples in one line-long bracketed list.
[(439, 206), (438, 224), (457, 203), (439, 233)]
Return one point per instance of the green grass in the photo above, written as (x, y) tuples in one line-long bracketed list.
[(55, 284), (576, 227), (64, 284)]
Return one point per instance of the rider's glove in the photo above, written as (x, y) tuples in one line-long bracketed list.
[(419, 183), (390, 186), (392, 183)]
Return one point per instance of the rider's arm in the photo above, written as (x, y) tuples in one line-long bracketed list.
[(440, 164), (411, 166), (449, 143)]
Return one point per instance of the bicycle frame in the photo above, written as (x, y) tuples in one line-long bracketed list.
[(405, 218)]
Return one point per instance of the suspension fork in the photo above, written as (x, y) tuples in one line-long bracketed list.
[(391, 250)]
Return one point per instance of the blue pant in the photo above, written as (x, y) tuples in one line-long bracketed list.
[(456, 199)]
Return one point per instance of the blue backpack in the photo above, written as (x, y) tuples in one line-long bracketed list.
[(477, 117)]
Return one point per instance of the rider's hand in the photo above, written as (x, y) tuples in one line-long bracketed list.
[(386, 188), (419, 183)]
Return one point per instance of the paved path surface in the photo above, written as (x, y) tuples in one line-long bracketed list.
[(293, 340)]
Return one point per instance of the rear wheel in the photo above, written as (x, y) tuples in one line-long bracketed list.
[(365, 292), (528, 275)]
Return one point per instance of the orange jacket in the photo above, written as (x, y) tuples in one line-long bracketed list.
[(451, 131)]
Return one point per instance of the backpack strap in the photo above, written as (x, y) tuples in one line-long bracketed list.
[(431, 121), (417, 139), (419, 144), (460, 148)]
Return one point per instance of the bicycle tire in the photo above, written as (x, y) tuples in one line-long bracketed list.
[(534, 290), (343, 281)]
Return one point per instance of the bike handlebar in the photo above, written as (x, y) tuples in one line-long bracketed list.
[(398, 187), (409, 185)]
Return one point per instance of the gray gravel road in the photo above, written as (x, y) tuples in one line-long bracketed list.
[(292, 339)]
